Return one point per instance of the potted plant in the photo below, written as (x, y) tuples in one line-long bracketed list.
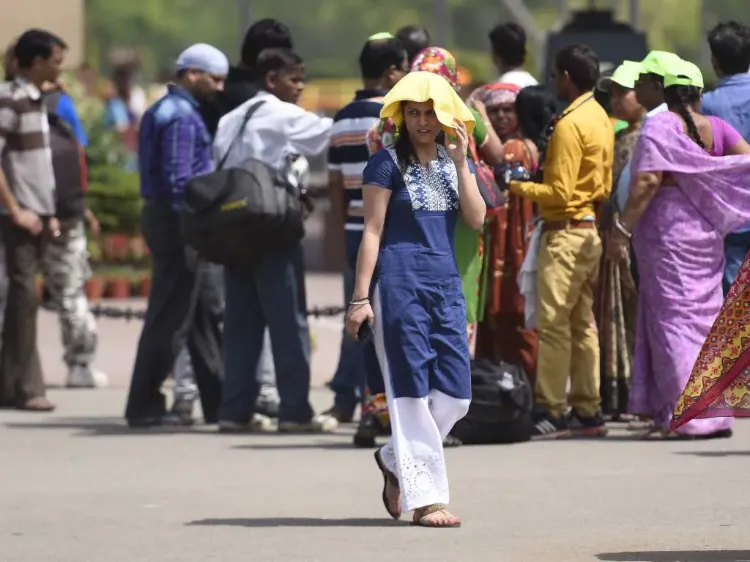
[(118, 286), (94, 288)]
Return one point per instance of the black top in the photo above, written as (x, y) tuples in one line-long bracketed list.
[(239, 87)]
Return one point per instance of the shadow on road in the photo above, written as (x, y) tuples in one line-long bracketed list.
[(262, 522), (677, 556), (294, 446), (715, 454), (104, 427)]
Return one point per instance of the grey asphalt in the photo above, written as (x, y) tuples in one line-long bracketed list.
[(77, 486)]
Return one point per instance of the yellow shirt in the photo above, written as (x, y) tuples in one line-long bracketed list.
[(578, 164)]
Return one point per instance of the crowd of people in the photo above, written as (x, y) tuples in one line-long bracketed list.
[(603, 275)]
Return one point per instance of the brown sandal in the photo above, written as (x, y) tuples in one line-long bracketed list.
[(422, 512), (388, 478)]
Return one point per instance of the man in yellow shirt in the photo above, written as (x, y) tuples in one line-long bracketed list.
[(577, 174)]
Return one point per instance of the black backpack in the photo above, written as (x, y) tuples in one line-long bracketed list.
[(235, 217), (67, 164), (501, 405)]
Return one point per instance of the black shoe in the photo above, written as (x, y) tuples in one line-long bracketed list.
[(342, 415), (181, 414), (592, 426), (368, 429), (270, 409), (549, 427), (142, 423)]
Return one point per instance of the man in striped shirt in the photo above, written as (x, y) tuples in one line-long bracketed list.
[(27, 207), (383, 62)]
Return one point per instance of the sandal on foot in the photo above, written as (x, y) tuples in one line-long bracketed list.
[(388, 478), (421, 514)]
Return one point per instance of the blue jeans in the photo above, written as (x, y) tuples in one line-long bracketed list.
[(736, 248), (272, 294), (349, 381), (366, 351)]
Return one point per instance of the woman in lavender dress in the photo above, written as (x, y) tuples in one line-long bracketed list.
[(690, 190)]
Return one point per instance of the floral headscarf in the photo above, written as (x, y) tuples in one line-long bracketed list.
[(492, 95), (437, 61)]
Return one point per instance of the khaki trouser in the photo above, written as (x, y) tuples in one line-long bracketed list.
[(568, 337)]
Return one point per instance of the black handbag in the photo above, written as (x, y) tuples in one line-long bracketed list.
[(236, 216), (501, 405)]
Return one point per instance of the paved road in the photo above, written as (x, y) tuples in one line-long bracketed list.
[(77, 486)]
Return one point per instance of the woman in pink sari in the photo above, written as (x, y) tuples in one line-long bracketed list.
[(690, 190)]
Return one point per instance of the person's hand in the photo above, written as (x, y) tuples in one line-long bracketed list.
[(617, 246), (356, 315), (54, 227), (28, 220), (477, 104), (94, 226), (458, 142)]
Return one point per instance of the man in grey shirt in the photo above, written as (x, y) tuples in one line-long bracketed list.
[(27, 196)]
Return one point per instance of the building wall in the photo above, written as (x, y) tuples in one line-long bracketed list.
[(62, 17)]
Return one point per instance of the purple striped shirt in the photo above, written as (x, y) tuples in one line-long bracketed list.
[(174, 146)]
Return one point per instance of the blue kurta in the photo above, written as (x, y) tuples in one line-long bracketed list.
[(423, 311)]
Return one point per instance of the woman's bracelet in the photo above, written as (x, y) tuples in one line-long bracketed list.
[(624, 231), (355, 302)]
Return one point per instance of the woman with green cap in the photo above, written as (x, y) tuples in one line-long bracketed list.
[(689, 192), (616, 300)]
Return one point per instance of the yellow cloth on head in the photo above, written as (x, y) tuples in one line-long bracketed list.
[(425, 86)]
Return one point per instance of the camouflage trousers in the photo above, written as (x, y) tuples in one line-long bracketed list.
[(66, 270)]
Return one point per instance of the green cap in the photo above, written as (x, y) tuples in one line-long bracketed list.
[(380, 36), (659, 63), (625, 75), (684, 74), (620, 125)]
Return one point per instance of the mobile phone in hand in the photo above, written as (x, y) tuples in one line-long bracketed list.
[(365, 332)]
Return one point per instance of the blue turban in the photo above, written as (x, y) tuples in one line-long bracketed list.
[(203, 58)]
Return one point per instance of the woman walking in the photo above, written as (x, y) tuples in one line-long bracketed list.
[(616, 299), (413, 194), (684, 200)]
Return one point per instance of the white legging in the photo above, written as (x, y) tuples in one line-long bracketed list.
[(414, 452)]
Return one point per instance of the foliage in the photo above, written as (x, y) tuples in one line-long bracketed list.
[(114, 197), (329, 33)]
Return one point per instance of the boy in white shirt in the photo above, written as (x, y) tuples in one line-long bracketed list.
[(273, 293)]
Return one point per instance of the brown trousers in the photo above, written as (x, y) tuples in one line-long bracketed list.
[(21, 377)]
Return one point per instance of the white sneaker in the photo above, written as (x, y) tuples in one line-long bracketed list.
[(81, 376), (259, 423), (322, 423)]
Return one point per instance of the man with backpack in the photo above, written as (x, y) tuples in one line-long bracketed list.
[(185, 301), (66, 266)]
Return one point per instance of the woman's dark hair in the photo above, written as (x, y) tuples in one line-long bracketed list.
[(581, 64), (730, 47), (264, 34), (275, 60), (679, 99), (508, 42), (405, 153), (535, 108), (414, 38), (36, 43)]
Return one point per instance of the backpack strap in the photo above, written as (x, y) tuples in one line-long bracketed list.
[(51, 99), (248, 115)]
